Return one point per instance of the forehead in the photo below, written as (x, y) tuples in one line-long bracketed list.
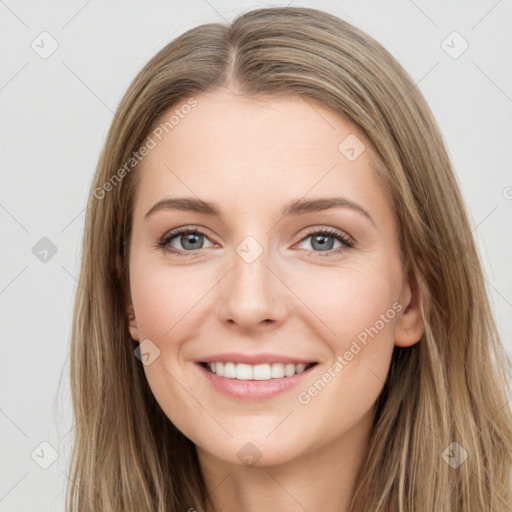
[(229, 147), (262, 125)]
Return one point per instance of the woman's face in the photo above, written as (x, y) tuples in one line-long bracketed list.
[(299, 264)]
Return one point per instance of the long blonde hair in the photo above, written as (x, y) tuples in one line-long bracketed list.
[(448, 388)]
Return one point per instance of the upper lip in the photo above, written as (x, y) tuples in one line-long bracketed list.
[(253, 359)]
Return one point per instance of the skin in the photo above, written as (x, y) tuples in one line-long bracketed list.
[(253, 156)]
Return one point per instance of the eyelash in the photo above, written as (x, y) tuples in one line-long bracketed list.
[(347, 242)]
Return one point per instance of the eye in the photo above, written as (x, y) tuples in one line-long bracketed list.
[(190, 239), (323, 240)]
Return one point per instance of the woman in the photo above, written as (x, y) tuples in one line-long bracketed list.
[(281, 303)]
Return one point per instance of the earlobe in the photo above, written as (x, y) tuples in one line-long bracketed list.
[(410, 325), (127, 302), (132, 326)]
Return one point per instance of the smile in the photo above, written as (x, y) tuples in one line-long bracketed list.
[(256, 382), (241, 371)]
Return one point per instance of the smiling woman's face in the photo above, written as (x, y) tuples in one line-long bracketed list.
[(258, 280)]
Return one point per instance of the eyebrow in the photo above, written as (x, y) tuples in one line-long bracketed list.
[(293, 208)]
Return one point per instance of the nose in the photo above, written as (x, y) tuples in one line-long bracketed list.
[(253, 296)]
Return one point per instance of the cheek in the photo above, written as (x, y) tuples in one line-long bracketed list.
[(161, 298), (354, 301), (359, 308), (165, 302)]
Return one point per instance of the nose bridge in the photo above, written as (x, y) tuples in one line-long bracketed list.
[(251, 295)]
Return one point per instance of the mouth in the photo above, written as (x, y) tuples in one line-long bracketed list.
[(254, 383), (259, 372)]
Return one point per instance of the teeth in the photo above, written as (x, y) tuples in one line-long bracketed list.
[(243, 371)]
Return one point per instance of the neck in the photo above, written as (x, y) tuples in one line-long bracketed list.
[(319, 480)]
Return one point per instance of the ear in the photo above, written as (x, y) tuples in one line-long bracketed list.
[(127, 301), (410, 326)]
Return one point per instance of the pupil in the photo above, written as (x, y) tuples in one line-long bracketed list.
[(189, 239), (323, 245)]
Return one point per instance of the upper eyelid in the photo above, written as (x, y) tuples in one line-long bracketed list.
[(183, 230)]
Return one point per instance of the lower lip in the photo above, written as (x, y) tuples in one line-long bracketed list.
[(252, 390)]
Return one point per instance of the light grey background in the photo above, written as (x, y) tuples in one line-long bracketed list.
[(55, 113)]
